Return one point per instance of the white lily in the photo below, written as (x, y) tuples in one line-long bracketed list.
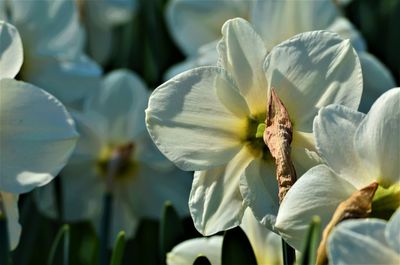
[(266, 245), (358, 149), (275, 21), (368, 241), (53, 42), (37, 135), (206, 119), (114, 118)]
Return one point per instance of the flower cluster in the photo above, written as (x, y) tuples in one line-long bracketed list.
[(277, 135)]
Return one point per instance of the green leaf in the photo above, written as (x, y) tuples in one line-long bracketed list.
[(119, 248), (171, 229), (311, 243), (63, 233), (236, 248), (201, 260)]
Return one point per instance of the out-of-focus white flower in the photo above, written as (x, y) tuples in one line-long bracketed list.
[(265, 244), (358, 149), (53, 43), (367, 241), (275, 21), (37, 135), (207, 119), (100, 18), (114, 118)]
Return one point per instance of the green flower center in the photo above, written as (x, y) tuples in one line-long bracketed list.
[(386, 201), (125, 168), (254, 136)]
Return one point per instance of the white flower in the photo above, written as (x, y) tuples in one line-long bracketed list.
[(368, 241), (100, 18), (358, 149), (37, 135), (53, 43), (265, 244), (206, 119), (275, 21), (114, 118)]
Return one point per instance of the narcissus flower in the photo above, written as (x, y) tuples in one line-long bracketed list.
[(37, 135), (211, 119), (358, 150), (112, 121), (368, 241), (265, 244), (53, 43)]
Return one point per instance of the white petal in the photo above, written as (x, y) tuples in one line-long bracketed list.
[(392, 232), (11, 54), (187, 251), (312, 70), (189, 123), (334, 129), (346, 30), (37, 136), (377, 139), (123, 219), (377, 80), (277, 21), (259, 189), (48, 27), (69, 81), (318, 192), (194, 23), (215, 201), (242, 53), (360, 242), (10, 202), (121, 100), (159, 186), (303, 152), (267, 246)]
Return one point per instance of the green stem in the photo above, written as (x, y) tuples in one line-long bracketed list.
[(105, 228), (289, 254)]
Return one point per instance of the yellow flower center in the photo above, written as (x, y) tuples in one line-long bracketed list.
[(254, 136), (124, 166), (386, 201)]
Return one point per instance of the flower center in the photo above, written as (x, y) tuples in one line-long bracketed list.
[(117, 160), (386, 201), (254, 136)]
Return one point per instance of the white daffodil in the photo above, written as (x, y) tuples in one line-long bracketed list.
[(266, 246), (208, 119), (37, 135), (53, 43), (368, 241), (100, 18), (113, 120), (358, 149), (275, 21)]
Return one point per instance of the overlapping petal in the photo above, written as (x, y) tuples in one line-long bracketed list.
[(241, 53), (36, 131), (10, 203), (312, 70), (318, 192), (189, 122), (11, 54), (377, 139), (334, 130), (215, 201)]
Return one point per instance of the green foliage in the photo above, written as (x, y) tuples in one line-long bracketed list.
[(201, 260), (118, 251), (63, 234), (236, 248), (311, 242)]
